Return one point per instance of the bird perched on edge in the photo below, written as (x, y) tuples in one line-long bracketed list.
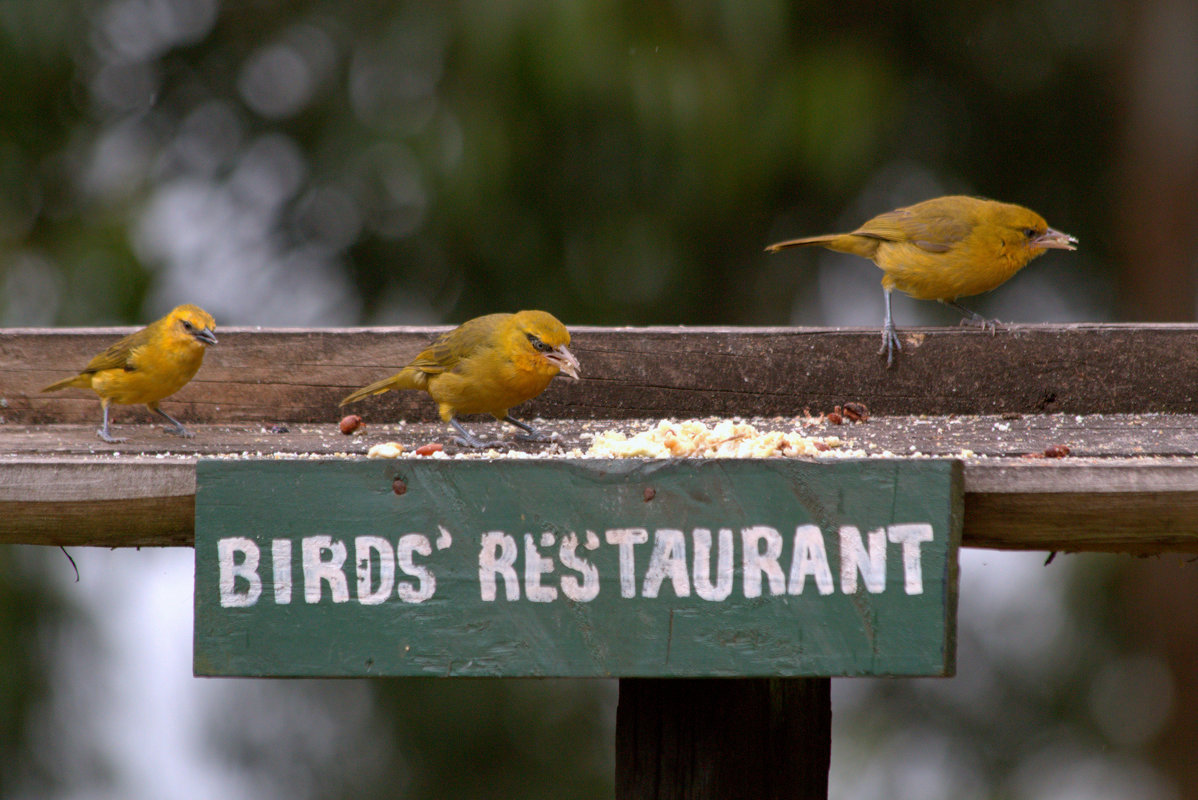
[(148, 365), (487, 365), (945, 248)]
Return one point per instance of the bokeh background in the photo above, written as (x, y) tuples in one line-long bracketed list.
[(334, 163)]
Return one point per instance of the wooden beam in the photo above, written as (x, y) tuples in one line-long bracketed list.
[(61, 501), (1117, 395), (1126, 505), (300, 375)]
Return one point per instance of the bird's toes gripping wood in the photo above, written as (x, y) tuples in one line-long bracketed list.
[(467, 439), (474, 443), (977, 320), (540, 437), (108, 437), (973, 318), (890, 343)]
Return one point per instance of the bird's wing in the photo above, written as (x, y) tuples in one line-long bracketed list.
[(121, 354), (935, 233), (445, 353)]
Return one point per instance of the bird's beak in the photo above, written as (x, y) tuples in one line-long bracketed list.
[(1051, 239), (564, 359), (205, 335)]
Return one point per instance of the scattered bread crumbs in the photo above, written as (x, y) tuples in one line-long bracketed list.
[(385, 450), (726, 439)]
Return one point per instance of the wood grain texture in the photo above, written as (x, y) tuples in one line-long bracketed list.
[(733, 739), (142, 522), (1117, 395), (300, 375), (1126, 505)]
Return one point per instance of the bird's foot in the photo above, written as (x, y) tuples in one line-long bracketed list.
[(108, 437), (178, 430), (539, 437), (474, 443), (971, 317), (977, 320), (890, 343), (467, 439), (530, 434)]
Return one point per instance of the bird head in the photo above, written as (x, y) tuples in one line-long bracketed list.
[(1033, 232), (193, 322), (547, 338)]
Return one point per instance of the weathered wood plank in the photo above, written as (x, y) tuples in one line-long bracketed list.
[(257, 375), (1124, 505), (1142, 456), (696, 739), (141, 522), (1142, 523)]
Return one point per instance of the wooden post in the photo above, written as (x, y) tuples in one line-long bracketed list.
[(700, 739)]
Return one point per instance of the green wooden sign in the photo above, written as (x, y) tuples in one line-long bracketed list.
[(611, 568)]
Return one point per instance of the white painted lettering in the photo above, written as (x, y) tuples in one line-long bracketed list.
[(426, 581), (317, 570), (810, 558), (534, 567), (758, 561), (910, 536), (668, 558), (627, 539), (571, 588), (497, 556), (280, 555), (230, 571), (365, 550), (702, 570), (854, 558)]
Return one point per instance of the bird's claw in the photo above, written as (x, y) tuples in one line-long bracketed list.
[(478, 444), (106, 436), (179, 431), (977, 320), (538, 437), (890, 343)]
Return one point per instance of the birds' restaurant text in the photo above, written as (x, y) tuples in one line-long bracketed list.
[(547, 567)]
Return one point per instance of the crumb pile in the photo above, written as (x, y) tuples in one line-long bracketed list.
[(726, 439)]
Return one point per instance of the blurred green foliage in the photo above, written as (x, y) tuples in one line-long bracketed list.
[(410, 161), (321, 162)]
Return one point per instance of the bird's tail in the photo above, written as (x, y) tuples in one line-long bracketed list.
[(405, 379), (81, 381), (820, 240)]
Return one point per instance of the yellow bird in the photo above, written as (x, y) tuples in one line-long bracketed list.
[(945, 248), (487, 365), (148, 365)]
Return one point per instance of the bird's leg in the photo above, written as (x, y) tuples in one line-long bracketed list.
[(103, 432), (177, 428), (530, 434), (973, 317), (468, 439), (890, 340)]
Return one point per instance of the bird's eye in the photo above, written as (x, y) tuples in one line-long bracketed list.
[(536, 342), (1031, 233), (188, 326)]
